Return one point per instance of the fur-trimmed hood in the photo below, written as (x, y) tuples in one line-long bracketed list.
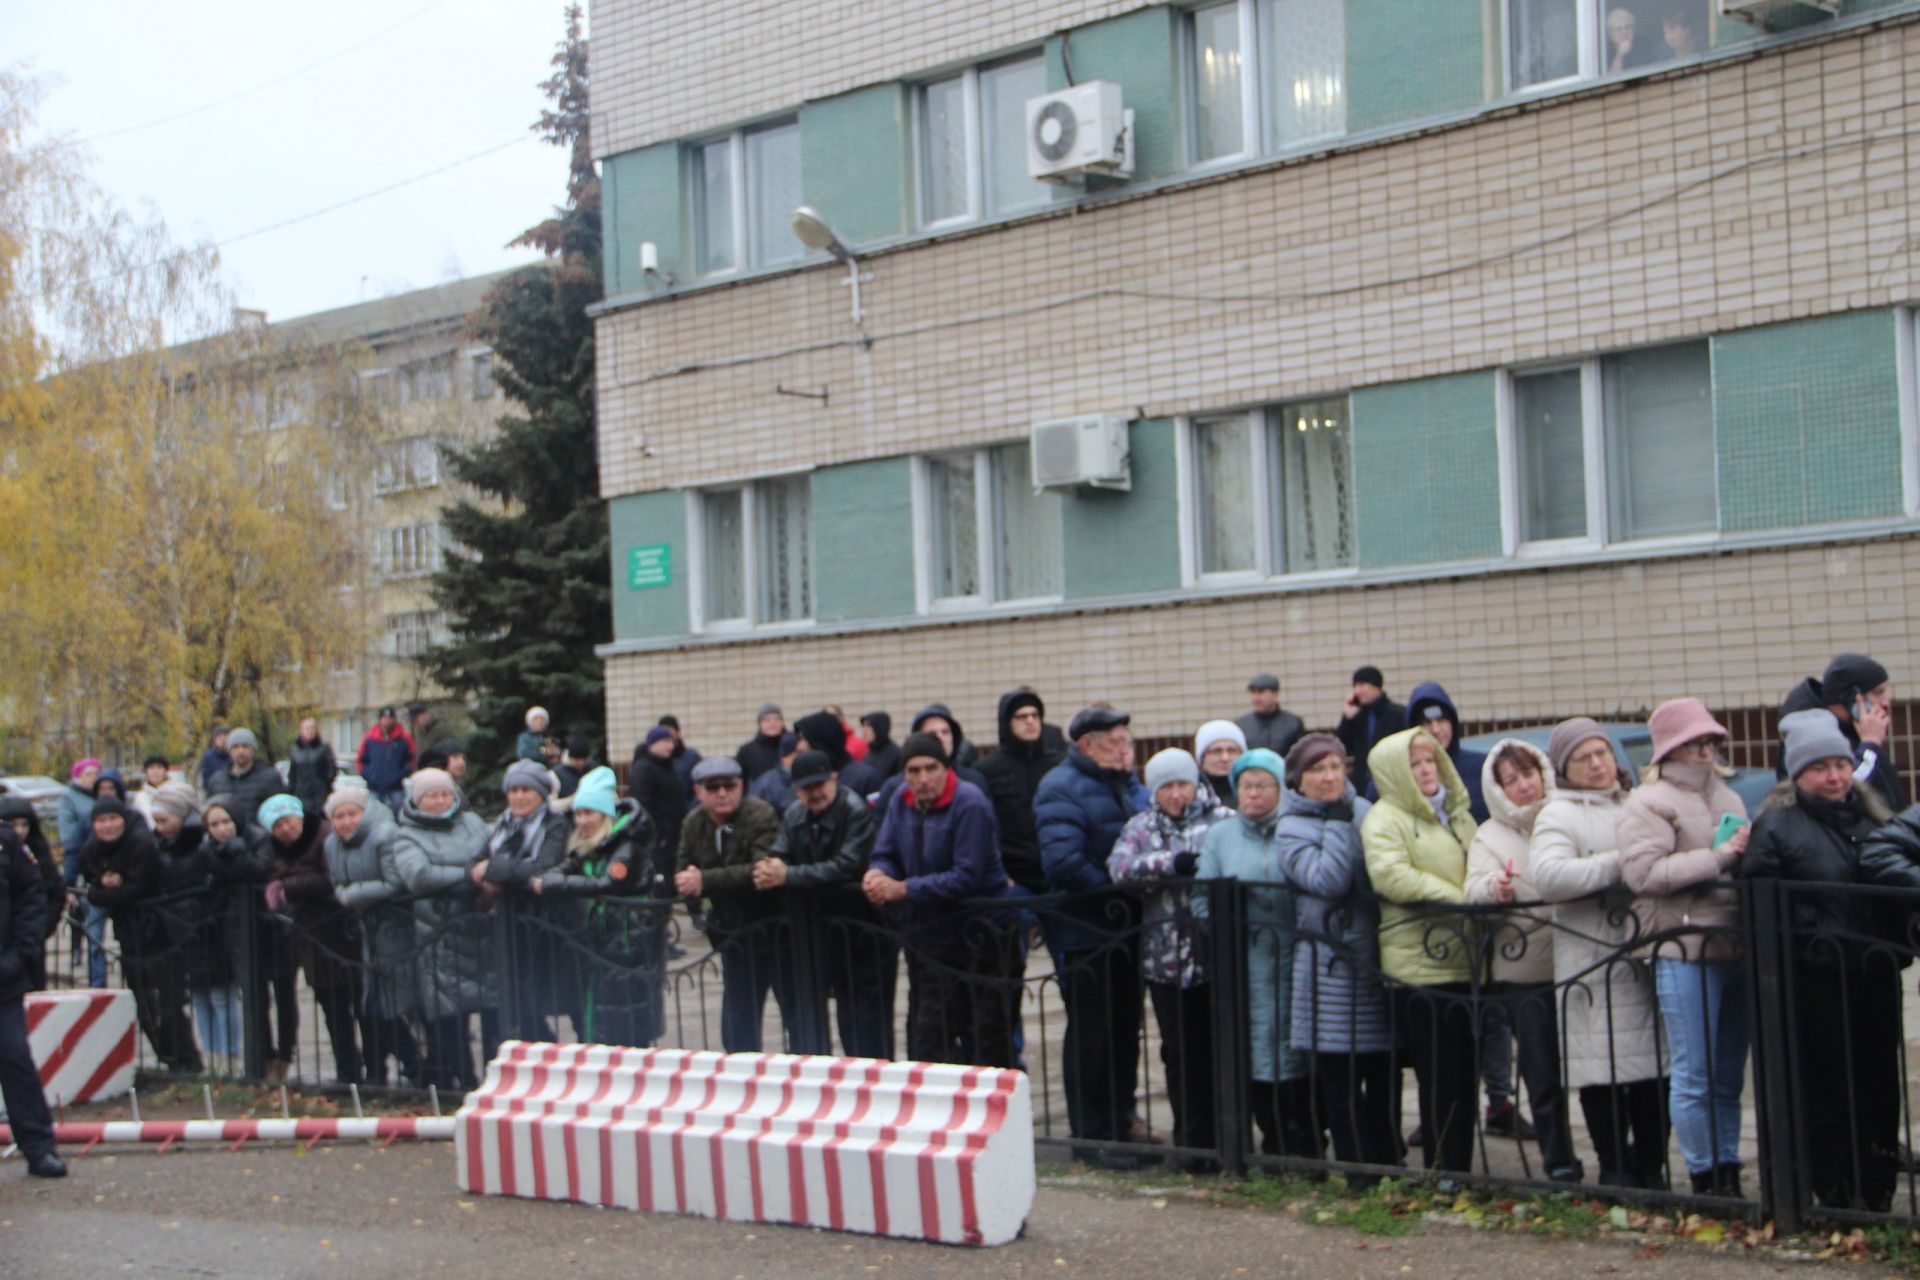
[(1786, 795)]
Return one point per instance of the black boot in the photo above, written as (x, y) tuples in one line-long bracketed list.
[(1706, 1184), (1726, 1182)]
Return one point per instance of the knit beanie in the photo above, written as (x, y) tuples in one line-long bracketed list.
[(539, 713), (422, 781), (1812, 735), (659, 733), (274, 808), (598, 792), (1217, 731), (1259, 758), (242, 738), (767, 709), (1569, 734), (175, 799), (81, 766), (922, 744), (1171, 765), (1369, 675), (108, 805), (1309, 751), (525, 773), (824, 733), (345, 793), (1849, 675)]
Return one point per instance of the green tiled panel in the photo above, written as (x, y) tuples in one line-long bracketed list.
[(642, 195), (1407, 59), (1137, 52), (1426, 465), (854, 153), (863, 541), (1121, 543), (1807, 421), (649, 520)]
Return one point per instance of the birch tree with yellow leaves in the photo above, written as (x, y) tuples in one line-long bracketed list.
[(168, 553)]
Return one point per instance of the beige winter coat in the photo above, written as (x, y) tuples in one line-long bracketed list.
[(1520, 942), (1606, 995), (1666, 858)]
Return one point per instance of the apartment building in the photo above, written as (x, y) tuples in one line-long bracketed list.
[(428, 382), (1560, 350)]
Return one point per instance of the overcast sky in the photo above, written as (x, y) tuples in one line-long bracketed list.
[(449, 79)]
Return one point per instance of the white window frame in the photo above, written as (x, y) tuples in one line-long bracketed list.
[(975, 151), (1253, 130), (736, 140), (1906, 328), (1594, 456), (988, 515), (1269, 565), (750, 568), (1586, 32), (473, 356)]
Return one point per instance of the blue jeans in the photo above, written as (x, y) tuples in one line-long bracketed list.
[(1703, 1009), (216, 1014), (96, 931)]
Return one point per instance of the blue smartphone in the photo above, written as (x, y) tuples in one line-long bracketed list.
[(1729, 823)]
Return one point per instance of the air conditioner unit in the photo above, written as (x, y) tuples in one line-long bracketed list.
[(1758, 11), (1079, 131), (1090, 450)]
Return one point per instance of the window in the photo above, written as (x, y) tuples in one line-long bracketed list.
[(480, 375), (1550, 41), (990, 537), (1271, 491), (1264, 75), (745, 189), (426, 379), (1614, 449), (756, 553), (377, 387), (411, 551), (973, 142), (411, 634), (399, 465)]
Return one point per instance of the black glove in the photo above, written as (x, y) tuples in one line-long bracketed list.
[(1340, 811), (1185, 864)]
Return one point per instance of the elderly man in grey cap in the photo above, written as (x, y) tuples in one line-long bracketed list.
[(248, 780), (1268, 724), (719, 845)]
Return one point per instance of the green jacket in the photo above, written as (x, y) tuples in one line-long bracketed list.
[(725, 856), (1412, 858)]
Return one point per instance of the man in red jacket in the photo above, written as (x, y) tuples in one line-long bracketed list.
[(386, 758)]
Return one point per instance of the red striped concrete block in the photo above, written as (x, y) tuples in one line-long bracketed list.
[(927, 1151), (83, 1042)]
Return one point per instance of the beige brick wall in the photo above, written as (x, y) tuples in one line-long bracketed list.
[(1737, 630), (668, 68), (1717, 199)]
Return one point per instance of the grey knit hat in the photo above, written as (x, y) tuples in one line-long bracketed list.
[(525, 773), (242, 738), (174, 798), (1171, 765), (1812, 735), (1569, 734)]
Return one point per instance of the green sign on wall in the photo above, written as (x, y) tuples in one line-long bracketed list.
[(649, 566)]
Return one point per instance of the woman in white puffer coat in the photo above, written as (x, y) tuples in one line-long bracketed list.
[(1608, 1012)]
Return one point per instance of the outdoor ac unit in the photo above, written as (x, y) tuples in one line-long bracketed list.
[(1090, 450), (1758, 11), (1079, 131)]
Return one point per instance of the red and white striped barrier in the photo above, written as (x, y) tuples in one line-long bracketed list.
[(84, 1043), (927, 1151), (310, 1130)]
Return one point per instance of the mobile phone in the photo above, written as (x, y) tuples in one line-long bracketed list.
[(1729, 823)]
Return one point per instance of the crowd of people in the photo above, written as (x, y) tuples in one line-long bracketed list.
[(1405, 901)]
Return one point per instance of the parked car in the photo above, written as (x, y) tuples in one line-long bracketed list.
[(1633, 745), (42, 792)]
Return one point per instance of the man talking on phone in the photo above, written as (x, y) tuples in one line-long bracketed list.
[(1855, 688), (1367, 716)]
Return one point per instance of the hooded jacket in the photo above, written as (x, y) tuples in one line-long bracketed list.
[(1414, 861), (1013, 775), (39, 851), (964, 755), (24, 910), (1468, 764), (136, 859), (883, 753), (1872, 765), (855, 774), (1808, 841), (1520, 941), (1079, 810), (385, 760), (1609, 1011), (1667, 858)]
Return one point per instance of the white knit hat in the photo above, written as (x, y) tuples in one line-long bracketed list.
[(422, 781), (1214, 731)]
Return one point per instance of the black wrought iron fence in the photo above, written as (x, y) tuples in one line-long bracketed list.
[(1759, 1066)]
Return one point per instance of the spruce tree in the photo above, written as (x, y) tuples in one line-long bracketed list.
[(526, 590)]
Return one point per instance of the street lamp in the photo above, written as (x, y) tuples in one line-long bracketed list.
[(818, 234)]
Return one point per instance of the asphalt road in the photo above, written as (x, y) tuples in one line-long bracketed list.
[(348, 1210)]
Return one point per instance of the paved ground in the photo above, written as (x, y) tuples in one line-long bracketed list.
[(358, 1211)]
